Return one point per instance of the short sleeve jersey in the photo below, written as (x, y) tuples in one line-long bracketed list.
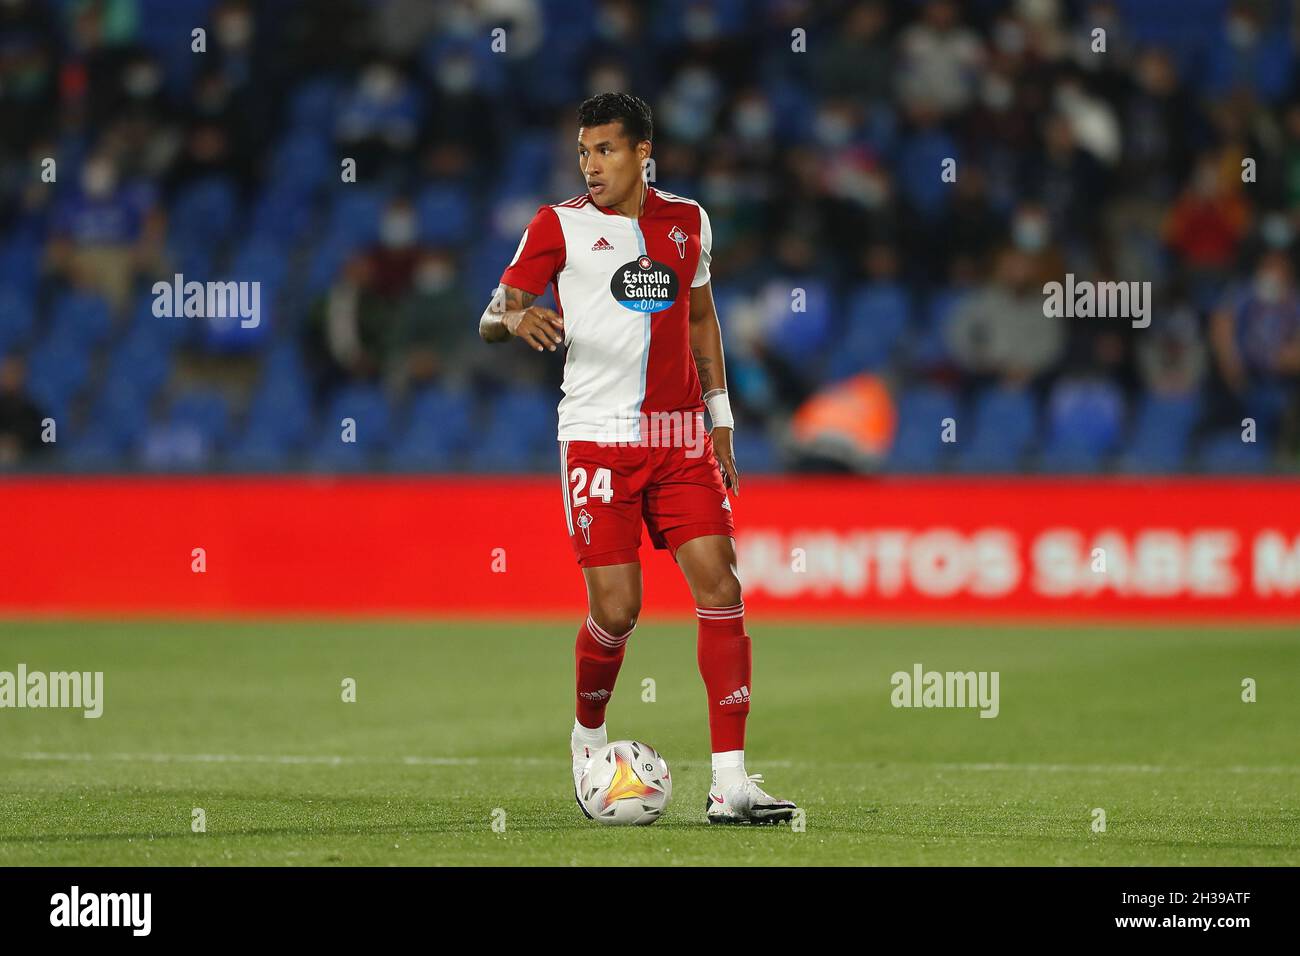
[(623, 286)]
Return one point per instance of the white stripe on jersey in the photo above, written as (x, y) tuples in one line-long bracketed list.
[(564, 483), (608, 345)]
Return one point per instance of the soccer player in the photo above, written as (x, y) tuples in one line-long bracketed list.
[(630, 266)]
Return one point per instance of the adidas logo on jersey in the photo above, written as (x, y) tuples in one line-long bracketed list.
[(737, 696), (602, 244)]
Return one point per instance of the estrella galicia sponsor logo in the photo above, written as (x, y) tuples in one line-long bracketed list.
[(644, 285)]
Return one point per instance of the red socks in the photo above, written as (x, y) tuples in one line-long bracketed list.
[(724, 656), (599, 656)]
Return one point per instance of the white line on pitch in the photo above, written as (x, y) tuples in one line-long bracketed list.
[(338, 760)]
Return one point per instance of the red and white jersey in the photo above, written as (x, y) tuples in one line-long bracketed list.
[(623, 286)]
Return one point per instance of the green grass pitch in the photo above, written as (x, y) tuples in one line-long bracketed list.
[(455, 720)]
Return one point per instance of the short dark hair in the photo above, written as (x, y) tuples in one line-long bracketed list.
[(631, 111)]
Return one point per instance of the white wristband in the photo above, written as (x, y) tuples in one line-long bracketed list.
[(720, 408)]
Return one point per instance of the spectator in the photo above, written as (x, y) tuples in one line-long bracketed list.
[(20, 418), (107, 233), (1256, 340), (1000, 331)]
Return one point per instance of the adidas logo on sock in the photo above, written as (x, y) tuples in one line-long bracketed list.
[(737, 696), (602, 244), (602, 694)]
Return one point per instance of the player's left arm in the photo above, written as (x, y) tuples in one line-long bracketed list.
[(706, 347)]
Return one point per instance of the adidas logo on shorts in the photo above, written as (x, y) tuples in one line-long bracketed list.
[(737, 696)]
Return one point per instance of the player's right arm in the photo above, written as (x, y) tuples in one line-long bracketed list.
[(511, 314), (537, 261)]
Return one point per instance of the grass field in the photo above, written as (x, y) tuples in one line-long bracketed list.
[(454, 720)]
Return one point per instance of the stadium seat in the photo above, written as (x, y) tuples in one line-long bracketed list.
[(1003, 425), (57, 371), (445, 214), (371, 417), (207, 413), (17, 316), (355, 216), (139, 363), (81, 317), (756, 453), (203, 214), (120, 416), (1225, 453), (1161, 434), (440, 418), (878, 316), (918, 445), (1085, 418)]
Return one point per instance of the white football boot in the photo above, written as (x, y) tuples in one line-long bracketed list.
[(581, 754), (746, 802)]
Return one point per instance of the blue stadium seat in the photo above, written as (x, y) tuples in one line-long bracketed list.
[(929, 349), (756, 454), (1225, 453), (56, 371), (91, 451), (1085, 419), (445, 214), (20, 260), (527, 413), (17, 316), (259, 448), (166, 331), (1162, 432), (355, 216), (281, 409), (204, 213), (520, 434), (1001, 430), (81, 317), (264, 261), (878, 316), (207, 412), (441, 418), (312, 104), (367, 406), (304, 161), (281, 215), (918, 444), (140, 363), (120, 415)]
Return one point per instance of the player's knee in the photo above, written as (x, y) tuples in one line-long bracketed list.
[(720, 591), (617, 616)]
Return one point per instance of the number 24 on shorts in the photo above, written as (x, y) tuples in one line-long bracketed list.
[(601, 486)]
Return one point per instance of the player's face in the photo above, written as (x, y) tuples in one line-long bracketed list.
[(610, 162)]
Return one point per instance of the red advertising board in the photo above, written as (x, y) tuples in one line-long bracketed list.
[(1176, 549)]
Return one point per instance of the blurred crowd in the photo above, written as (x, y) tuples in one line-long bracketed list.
[(890, 182)]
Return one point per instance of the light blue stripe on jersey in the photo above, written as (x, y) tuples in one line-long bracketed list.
[(645, 354)]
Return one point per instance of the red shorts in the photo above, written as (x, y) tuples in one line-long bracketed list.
[(610, 489)]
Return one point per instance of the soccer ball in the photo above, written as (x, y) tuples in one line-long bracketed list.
[(625, 784)]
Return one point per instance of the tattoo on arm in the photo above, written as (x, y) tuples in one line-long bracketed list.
[(517, 299), (703, 364), (491, 325)]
